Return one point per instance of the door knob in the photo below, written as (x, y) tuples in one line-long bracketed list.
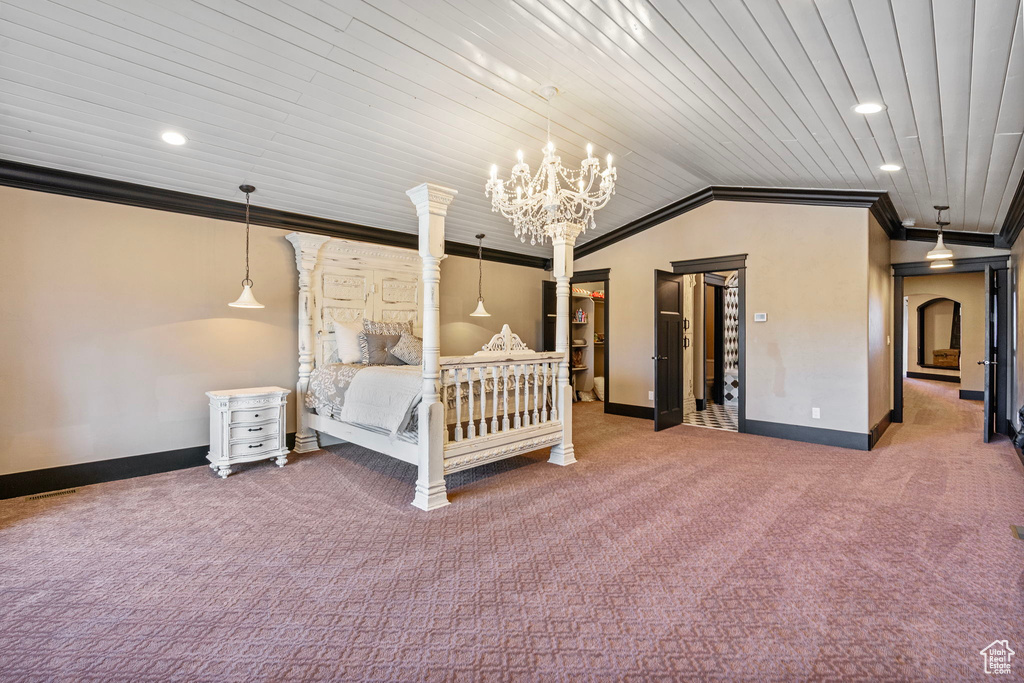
[(987, 362), (659, 357)]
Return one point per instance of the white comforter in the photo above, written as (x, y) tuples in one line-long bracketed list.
[(384, 397)]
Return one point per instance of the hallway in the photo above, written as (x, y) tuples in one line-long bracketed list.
[(933, 404)]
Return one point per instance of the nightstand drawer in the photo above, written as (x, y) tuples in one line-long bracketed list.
[(258, 415), (239, 450), (254, 431)]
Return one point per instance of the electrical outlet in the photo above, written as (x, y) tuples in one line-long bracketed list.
[(650, 395), (816, 413)]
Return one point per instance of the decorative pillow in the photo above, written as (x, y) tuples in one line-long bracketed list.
[(409, 349), (376, 327), (376, 348), (346, 336)]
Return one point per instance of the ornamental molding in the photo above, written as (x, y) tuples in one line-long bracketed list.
[(462, 462), (505, 342), (339, 249), (307, 247), (431, 199)]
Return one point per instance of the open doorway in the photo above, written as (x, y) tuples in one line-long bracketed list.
[(952, 338), (712, 375), (588, 333), (700, 344)]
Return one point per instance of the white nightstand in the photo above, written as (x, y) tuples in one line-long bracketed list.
[(247, 425)]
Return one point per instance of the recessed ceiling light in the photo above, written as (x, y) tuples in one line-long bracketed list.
[(890, 167), (546, 92), (869, 108), (173, 137)]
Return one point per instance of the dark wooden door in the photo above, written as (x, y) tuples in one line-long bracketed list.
[(549, 307), (718, 390), (668, 350), (990, 355)]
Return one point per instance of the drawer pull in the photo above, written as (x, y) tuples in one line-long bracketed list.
[(258, 429), (259, 445)]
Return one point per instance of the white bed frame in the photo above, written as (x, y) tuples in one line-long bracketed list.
[(347, 281)]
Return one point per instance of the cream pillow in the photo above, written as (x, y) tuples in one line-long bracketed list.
[(346, 336), (409, 349)]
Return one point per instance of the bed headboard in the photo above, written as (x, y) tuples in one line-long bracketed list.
[(352, 281)]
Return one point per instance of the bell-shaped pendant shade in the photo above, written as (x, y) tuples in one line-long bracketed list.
[(939, 252), (246, 300), (942, 263), (480, 312)]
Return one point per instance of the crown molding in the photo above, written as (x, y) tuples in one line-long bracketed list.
[(876, 201), (973, 239), (1013, 223), (689, 203), (961, 265), (83, 186)]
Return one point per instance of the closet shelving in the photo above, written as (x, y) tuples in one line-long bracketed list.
[(587, 353)]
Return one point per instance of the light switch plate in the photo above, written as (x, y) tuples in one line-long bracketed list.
[(816, 413), (760, 317)]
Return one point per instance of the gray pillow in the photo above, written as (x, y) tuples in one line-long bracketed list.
[(410, 349), (376, 348)]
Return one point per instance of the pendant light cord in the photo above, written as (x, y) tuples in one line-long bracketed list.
[(247, 280), (480, 280)]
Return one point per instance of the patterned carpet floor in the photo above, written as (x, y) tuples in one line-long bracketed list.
[(686, 553)]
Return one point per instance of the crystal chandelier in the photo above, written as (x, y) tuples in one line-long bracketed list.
[(555, 201)]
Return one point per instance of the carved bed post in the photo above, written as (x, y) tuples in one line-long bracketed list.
[(431, 206), (563, 453), (306, 249)]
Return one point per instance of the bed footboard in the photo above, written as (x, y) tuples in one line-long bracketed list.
[(499, 407)]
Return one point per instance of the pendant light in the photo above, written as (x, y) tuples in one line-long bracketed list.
[(480, 311), (246, 299), (940, 255)]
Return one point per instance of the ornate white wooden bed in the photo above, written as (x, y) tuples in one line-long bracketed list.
[(503, 401)]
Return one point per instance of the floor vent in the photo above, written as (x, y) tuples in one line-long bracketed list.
[(52, 494)]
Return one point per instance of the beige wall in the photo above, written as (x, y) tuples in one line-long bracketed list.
[(879, 302), (806, 269), (115, 323), (969, 290), (512, 295)]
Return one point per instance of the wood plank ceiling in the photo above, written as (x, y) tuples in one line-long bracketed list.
[(335, 107)]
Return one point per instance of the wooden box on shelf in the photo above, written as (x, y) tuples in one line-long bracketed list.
[(247, 425)]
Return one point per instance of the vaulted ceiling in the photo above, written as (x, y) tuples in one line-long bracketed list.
[(335, 107)]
